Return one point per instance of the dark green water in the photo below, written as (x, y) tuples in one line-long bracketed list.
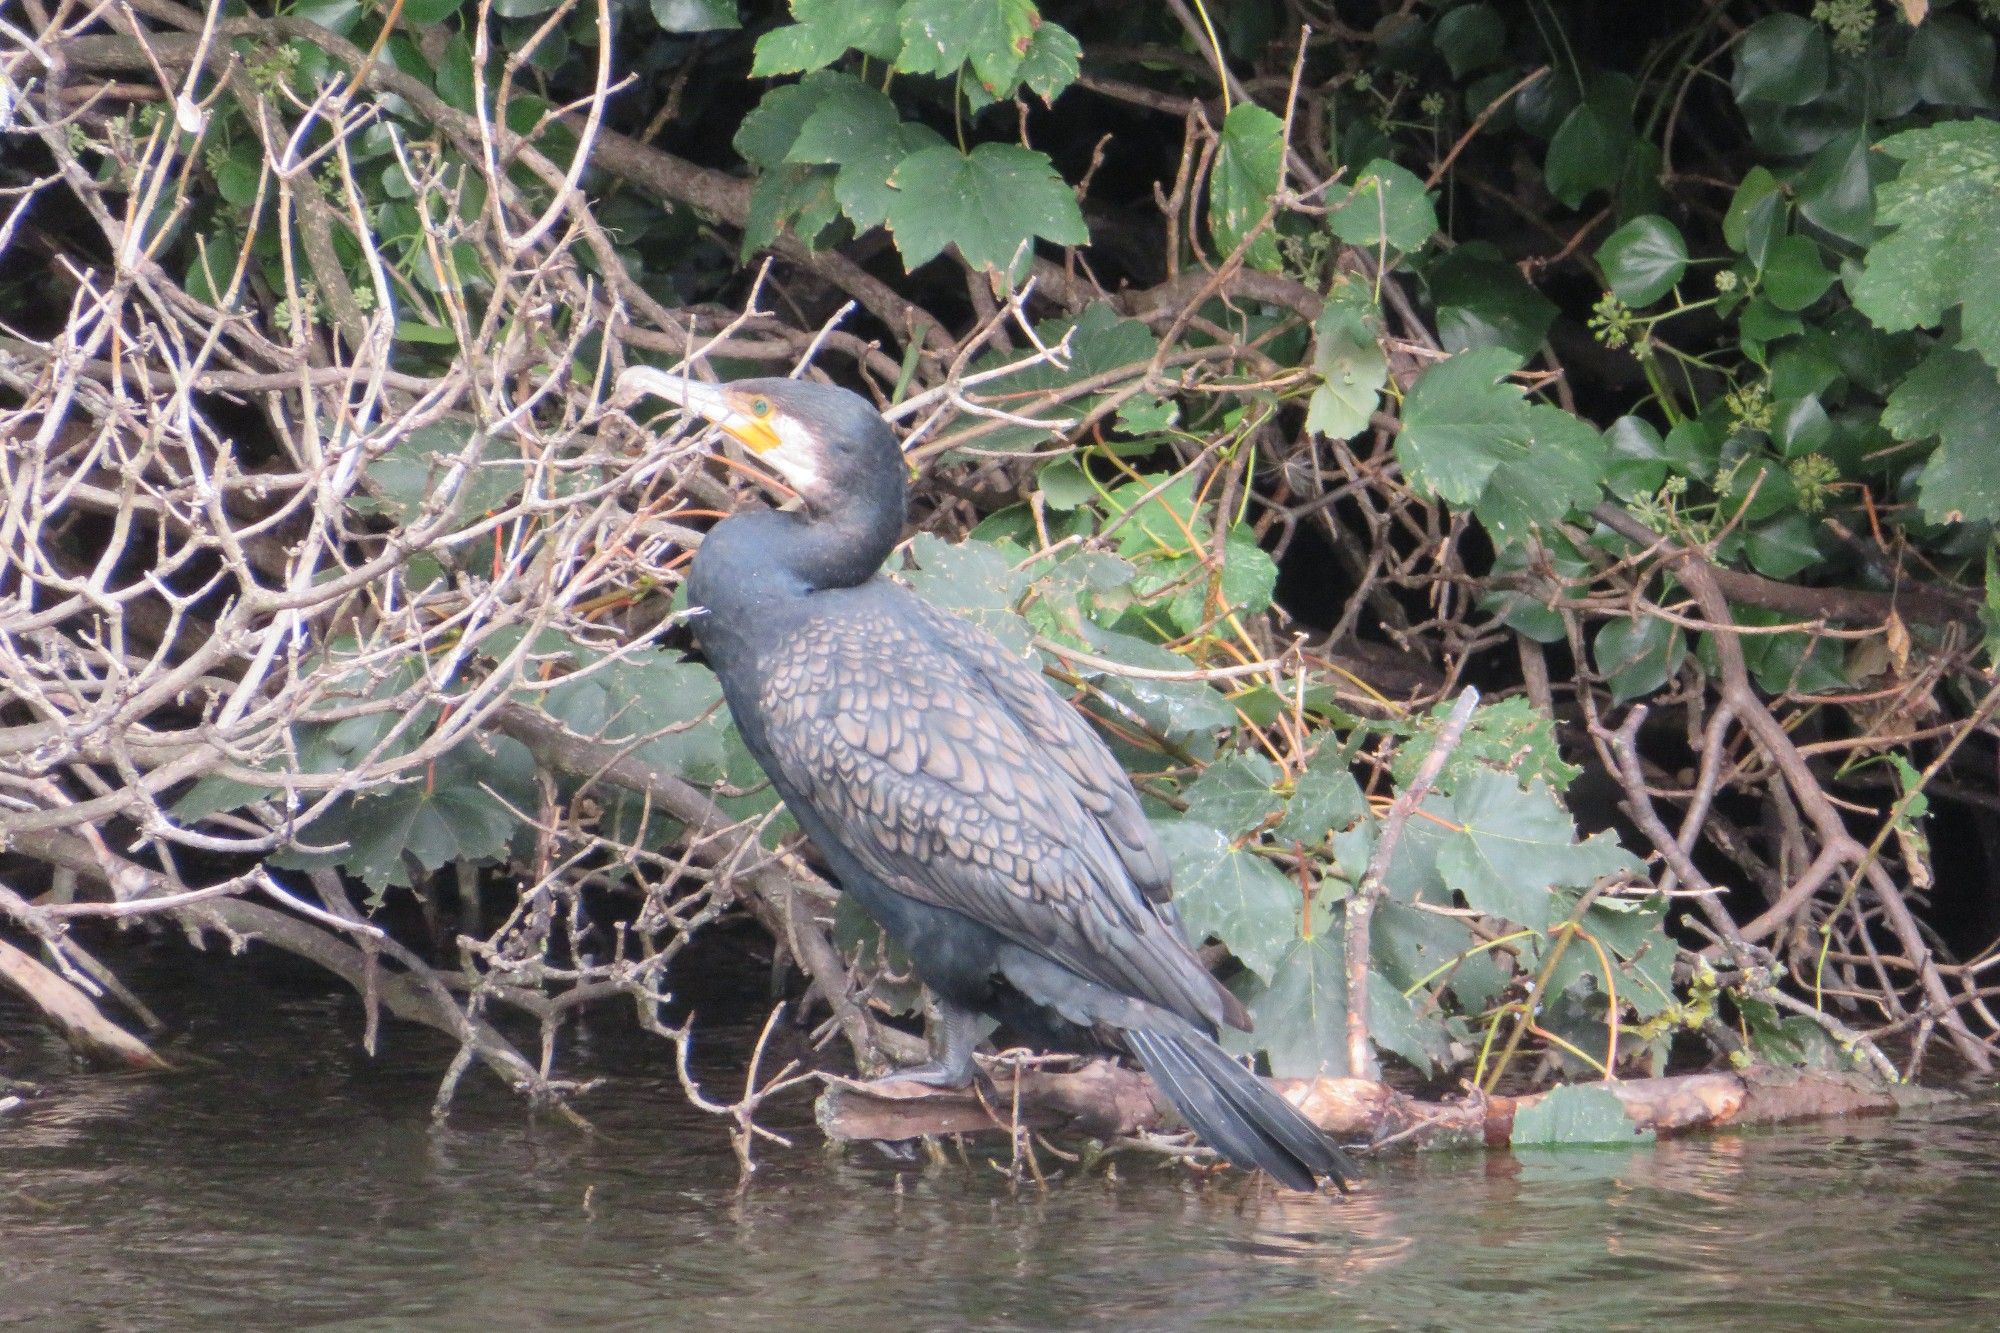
[(286, 1180)]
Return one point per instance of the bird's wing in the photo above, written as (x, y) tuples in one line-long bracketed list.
[(1065, 739), (926, 776)]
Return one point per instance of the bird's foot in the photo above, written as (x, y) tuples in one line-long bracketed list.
[(950, 1075)]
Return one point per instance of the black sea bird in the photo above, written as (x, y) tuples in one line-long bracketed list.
[(957, 798)]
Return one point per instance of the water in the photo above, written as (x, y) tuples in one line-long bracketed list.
[(284, 1179)]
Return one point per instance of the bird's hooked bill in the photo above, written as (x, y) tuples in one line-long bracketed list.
[(745, 418)]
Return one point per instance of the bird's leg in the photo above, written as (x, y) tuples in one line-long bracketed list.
[(952, 1066)]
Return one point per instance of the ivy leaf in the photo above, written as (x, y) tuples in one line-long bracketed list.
[(1576, 1116), (1237, 794), (671, 15), (1782, 547), (1954, 396), (1637, 656), (1483, 301), (987, 202), (993, 36), (1944, 210), (1793, 276), (1784, 59), (1230, 895), (1643, 259), (1471, 38), (823, 32), (1514, 846), (1245, 177), (1758, 187), (1387, 206), (1587, 153)]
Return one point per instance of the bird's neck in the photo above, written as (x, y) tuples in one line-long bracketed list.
[(842, 547)]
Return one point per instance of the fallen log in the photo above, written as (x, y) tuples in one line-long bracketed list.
[(1105, 1101), (72, 1014)]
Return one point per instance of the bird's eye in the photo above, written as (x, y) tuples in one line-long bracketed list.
[(760, 407)]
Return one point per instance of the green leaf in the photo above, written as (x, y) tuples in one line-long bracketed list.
[(1387, 206), (669, 709), (1643, 259), (1230, 895), (1325, 800), (1636, 458), (1237, 794), (976, 579), (671, 15), (862, 187), (1955, 397), (1052, 63), (1243, 182), (1471, 38), (772, 126), (1460, 423), (994, 36), (1515, 846), (403, 480), (1065, 485), (1300, 1019), (1950, 60), (1836, 192), (1783, 59), (825, 30), (1175, 708), (1793, 276), (1944, 212), (1577, 1115), (988, 202), (1352, 366), (849, 121), (1101, 343), (1249, 574), (1782, 547), (457, 810), (1509, 737), (1483, 301), (1394, 1026), (1757, 187), (1637, 656), (1473, 441), (1587, 154)]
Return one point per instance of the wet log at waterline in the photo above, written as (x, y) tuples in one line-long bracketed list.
[(1101, 1100)]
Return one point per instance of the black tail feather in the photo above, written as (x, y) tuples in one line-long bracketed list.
[(1236, 1113)]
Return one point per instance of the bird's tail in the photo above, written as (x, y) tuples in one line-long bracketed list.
[(1235, 1112)]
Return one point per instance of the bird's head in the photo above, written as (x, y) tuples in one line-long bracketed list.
[(829, 445)]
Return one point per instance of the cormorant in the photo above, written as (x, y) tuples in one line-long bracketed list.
[(957, 798)]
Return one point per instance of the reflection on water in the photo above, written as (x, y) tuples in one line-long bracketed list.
[(289, 1180)]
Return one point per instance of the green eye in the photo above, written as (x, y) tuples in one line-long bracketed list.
[(760, 407)]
